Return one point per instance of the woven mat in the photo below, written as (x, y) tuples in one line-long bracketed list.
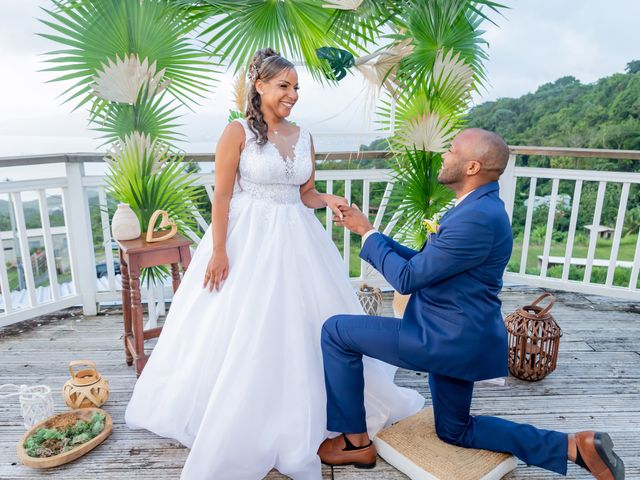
[(412, 446)]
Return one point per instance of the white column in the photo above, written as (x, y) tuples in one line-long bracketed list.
[(80, 238)]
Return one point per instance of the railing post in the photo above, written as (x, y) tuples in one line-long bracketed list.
[(80, 238), (508, 185)]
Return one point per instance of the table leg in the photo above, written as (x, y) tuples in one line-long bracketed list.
[(185, 256), (175, 276), (136, 318), (126, 307)]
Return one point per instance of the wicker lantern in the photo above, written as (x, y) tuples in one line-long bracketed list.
[(85, 388), (534, 339), (370, 299)]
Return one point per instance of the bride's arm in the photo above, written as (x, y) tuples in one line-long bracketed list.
[(227, 160), (314, 199)]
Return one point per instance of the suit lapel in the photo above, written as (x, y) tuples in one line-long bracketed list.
[(477, 193)]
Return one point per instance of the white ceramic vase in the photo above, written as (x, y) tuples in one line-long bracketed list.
[(125, 224)]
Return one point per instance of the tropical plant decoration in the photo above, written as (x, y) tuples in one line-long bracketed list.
[(146, 175), (429, 71), (134, 64)]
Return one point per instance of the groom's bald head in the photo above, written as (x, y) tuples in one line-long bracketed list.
[(476, 156)]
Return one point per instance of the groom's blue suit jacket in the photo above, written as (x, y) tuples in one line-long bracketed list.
[(453, 325)]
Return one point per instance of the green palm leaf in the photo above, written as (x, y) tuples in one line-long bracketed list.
[(153, 116), (295, 28), (152, 178), (92, 32), (418, 195)]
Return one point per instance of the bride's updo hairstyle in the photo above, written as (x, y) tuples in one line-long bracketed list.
[(265, 65)]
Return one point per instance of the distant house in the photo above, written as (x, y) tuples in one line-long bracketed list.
[(604, 233), (563, 201)]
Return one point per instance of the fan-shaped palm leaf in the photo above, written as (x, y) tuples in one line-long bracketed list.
[(440, 25), (379, 68), (147, 176), (149, 115), (418, 194), (121, 80), (92, 32), (295, 28), (430, 132), (342, 4)]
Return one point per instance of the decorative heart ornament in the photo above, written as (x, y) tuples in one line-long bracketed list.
[(165, 222)]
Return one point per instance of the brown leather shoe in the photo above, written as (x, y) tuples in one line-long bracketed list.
[(596, 450), (339, 451)]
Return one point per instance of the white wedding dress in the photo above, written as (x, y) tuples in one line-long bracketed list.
[(237, 375)]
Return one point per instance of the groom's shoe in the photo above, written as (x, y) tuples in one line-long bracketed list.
[(595, 453), (340, 451)]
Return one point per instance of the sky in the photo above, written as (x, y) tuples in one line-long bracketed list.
[(534, 42)]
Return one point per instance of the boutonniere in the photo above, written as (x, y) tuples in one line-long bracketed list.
[(431, 226)]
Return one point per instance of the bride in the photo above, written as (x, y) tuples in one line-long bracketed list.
[(237, 372)]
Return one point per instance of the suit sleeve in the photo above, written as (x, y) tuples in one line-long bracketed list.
[(460, 246), (405, 252)]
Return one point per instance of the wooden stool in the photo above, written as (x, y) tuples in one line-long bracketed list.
[(135, 255)]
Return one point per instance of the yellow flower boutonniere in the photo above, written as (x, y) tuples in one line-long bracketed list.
[(431, 226)]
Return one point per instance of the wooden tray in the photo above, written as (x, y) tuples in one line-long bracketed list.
[(64, 420)]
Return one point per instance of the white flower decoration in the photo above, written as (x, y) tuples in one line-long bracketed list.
[(121, 81)]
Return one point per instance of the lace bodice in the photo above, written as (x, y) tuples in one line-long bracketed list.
[(266, 174)]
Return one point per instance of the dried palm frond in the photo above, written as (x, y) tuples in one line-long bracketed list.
[(430, 132), (379, 67), (138, 145), (241, 91), (122, 80), (342, 4)]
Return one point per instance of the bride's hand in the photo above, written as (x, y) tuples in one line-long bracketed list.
[(217, 271), (334, 202)]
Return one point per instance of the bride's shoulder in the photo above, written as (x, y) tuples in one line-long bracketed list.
[(233, 134)]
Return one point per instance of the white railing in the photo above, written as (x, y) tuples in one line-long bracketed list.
[(574, 266), (72, 256)]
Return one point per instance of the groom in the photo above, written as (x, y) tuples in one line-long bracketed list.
[(452, 326)]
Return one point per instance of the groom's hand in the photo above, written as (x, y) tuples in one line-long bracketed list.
[(353, 219)]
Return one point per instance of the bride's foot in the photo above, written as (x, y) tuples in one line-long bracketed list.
[(341, 451)]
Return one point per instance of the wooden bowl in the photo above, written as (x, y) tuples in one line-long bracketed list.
[(62, 420)]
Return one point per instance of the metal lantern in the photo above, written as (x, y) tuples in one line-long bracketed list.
[(534, 340), (85, 388), (370, 299)]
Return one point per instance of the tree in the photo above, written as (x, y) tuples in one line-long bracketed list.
[(633, 66)]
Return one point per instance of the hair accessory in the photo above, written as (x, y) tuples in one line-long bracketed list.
[(253, 73)]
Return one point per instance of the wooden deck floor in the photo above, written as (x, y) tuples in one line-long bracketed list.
[(596, 386)]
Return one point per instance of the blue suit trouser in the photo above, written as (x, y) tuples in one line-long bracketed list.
[(346, 338)]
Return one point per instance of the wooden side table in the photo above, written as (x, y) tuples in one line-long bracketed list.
[(135, 255)]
